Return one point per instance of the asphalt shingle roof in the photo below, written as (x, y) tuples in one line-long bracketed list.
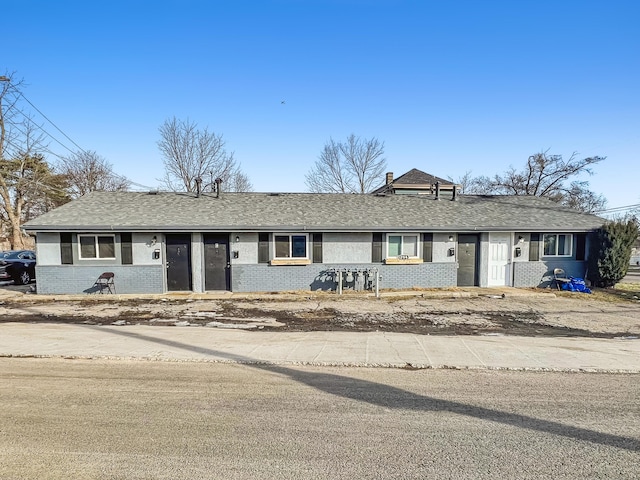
[(418, 177), (141, 211)]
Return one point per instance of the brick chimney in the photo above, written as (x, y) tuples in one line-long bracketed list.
[(389, 179)]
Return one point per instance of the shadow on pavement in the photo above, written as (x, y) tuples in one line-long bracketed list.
[(396, 398)]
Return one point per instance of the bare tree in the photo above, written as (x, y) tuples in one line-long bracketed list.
[(579, 197), (86, 171), (471, 184), (190, 153), (354, 166), (28, 186), (239, 182), (546, 175)]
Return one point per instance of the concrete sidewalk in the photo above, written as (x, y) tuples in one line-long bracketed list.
[(320, 348)]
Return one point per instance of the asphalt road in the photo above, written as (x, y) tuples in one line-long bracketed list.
[(117, 419)]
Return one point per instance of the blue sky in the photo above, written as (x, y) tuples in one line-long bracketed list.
[(449, 87)]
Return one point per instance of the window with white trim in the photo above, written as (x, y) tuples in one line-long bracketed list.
[(399, 245), (97, 247), (557, 245), (292, 245)]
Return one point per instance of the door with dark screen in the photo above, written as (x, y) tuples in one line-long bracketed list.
[(217, 268), (178, 262)]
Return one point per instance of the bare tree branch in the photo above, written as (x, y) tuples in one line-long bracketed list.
[(546, 175), (239, 182), (28, 186), (471, 184), (191, 153), (354, 166), (86, 171)]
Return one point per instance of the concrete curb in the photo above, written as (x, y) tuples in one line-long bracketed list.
[(608, 371)]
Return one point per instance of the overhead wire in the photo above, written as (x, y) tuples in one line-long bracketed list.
[(54, 125), (43, 130), (29, 119), (619, 209)]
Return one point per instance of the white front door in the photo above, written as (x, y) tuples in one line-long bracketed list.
[(499, 259)]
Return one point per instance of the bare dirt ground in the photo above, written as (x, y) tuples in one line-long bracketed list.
[(607, 314)]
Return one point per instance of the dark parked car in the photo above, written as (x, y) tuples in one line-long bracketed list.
[(18, 265)]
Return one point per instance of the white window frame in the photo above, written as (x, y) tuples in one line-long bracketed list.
[(569, 236), (402, 237), (97, 247), (291, 235)]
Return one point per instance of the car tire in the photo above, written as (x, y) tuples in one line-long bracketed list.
[(23, 279)]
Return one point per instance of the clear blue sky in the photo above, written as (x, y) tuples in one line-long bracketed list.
[(448, 86)]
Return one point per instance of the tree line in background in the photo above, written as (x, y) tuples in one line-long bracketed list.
[(543, 175), (357, 165), (31, 183), (194, 158)]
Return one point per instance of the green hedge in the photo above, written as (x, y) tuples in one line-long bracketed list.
[(610, 252)]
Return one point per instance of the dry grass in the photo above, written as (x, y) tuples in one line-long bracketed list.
[(627, 292), (628, 287)]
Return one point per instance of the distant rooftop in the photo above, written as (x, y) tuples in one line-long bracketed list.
[(414, 181)]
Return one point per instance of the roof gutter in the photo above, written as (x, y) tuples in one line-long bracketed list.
[(300, 228)]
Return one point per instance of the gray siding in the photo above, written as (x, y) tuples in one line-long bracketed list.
[(74, 279)]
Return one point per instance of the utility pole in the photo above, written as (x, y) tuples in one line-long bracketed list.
[(2, 128)]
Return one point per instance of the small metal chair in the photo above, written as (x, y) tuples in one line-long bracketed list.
[(560, 277), (105, 282)]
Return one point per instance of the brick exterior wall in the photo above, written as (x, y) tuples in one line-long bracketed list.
[(424, 275), (267, 278), (74, 279), (540, 274)]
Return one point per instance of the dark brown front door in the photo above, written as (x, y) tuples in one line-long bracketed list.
[(178, 262), (216, 262), (467, 260)]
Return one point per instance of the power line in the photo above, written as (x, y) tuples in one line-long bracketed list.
[(619, 209), (55, 126), (44, 131), (110, 172)]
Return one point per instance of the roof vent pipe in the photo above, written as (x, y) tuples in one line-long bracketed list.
[(437, 190), (455, 193), (198, 186), (218, 187)]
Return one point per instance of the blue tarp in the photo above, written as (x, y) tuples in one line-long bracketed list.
[(576, 285)]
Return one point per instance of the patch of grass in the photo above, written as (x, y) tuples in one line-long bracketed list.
[(628, 287), (611, 295)]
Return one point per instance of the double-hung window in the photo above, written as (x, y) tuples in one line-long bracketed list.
[(557, 245), (97, 247), (291, 246), (399, 246)]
